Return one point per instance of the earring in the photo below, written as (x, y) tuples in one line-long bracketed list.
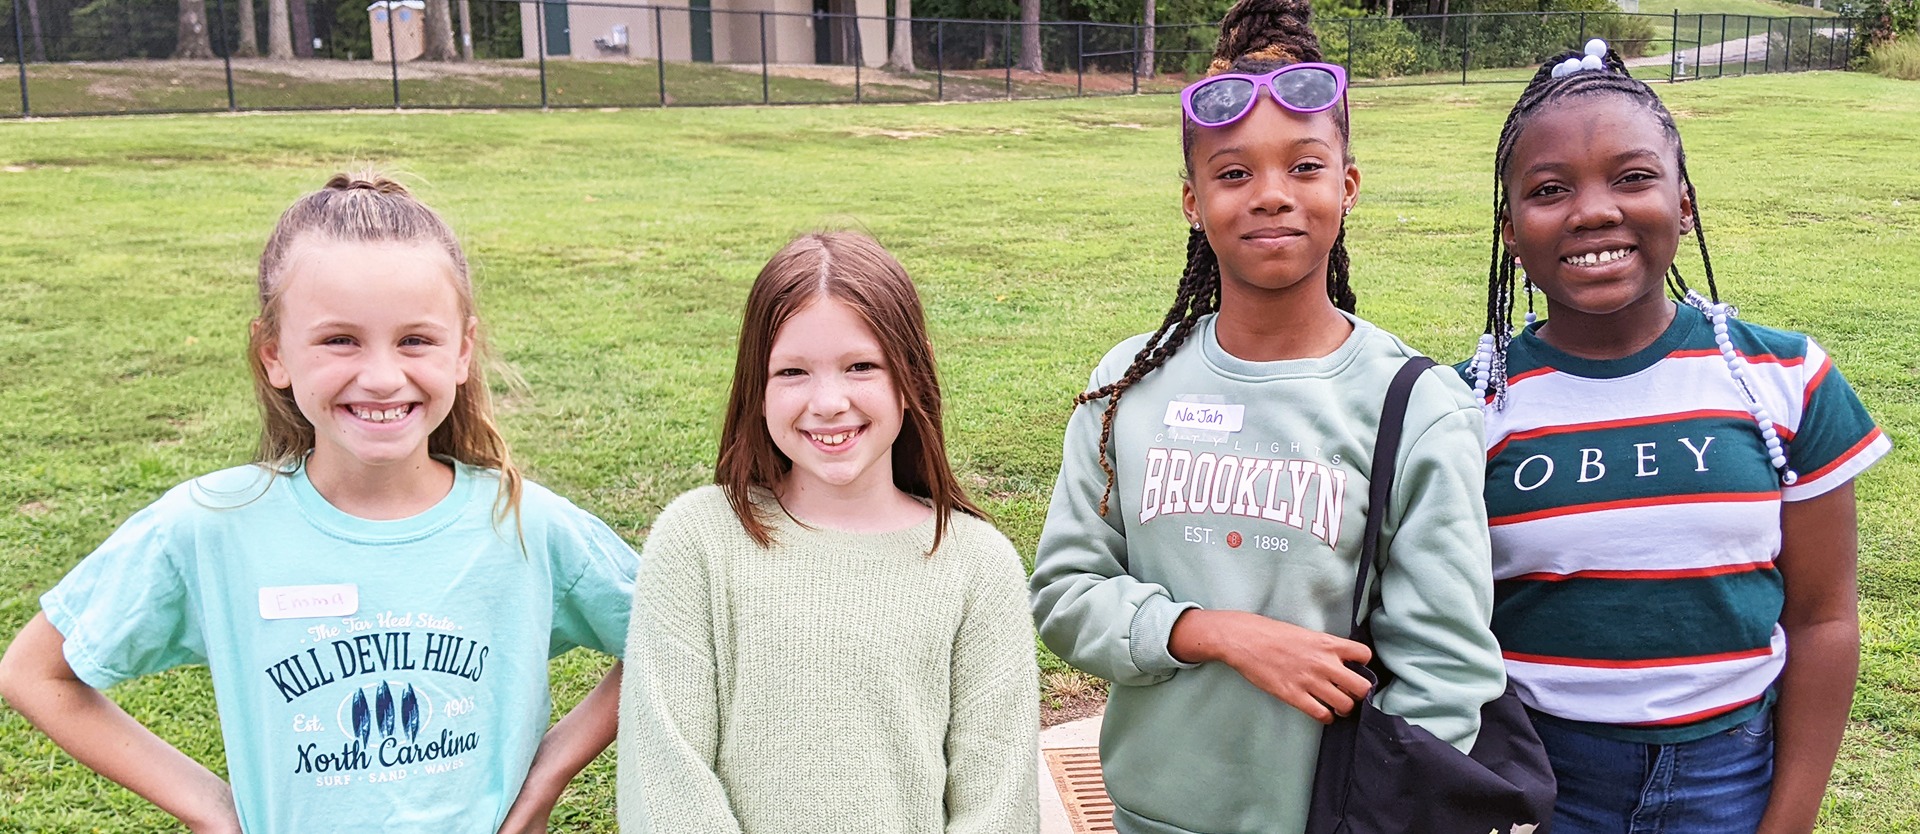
[(1196, 225)]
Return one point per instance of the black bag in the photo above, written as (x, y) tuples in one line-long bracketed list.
[(1380, 774)]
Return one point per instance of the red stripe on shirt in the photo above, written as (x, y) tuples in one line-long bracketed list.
[(1702, 715), (1645, 663), (1755, 358), (1631, 503), (1625, 422), (1819, 376), (1676, 573), (1845, 456)]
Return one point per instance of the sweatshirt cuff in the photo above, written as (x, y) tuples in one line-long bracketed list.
[(1150, 632)]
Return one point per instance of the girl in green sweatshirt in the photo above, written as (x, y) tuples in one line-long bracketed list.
[(1204, 532)]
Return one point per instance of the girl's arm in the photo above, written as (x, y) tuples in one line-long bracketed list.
[(1436, 581), (669, 734), (1818, 555), (36, 680), (566, 749), (993, 727)]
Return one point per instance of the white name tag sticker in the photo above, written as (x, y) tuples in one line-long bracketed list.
[(1225, 417), (290, 602)]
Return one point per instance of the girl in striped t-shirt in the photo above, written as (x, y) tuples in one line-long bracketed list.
[(1669, 488)]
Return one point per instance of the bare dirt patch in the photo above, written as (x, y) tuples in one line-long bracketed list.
[(1070, 696)]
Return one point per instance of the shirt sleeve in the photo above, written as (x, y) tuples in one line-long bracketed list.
[(993, 728), (669, 734), (1089, 610), (1436, 584), (124, 611), (1835, 439), (593, 607)]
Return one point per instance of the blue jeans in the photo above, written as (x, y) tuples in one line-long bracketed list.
[(1714, 785)]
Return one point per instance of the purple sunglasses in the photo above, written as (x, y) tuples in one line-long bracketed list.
[(1221, 100)]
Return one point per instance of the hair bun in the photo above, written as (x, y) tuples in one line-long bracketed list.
[(365, 181), (1280, 31)]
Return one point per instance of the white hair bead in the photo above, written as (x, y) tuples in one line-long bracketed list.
[(1596, 48), (1591, 62)]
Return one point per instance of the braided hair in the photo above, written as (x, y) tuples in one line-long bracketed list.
[(1256, 36), (1489, 365)]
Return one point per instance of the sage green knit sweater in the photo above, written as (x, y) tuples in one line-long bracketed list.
[(834, 682)]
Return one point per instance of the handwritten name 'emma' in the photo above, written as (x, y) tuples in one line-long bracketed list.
[(313, 668), (1302, 494)]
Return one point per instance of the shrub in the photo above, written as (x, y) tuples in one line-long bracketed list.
[(1897, 58)]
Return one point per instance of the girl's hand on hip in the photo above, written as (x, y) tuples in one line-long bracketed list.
[(1304, 668)]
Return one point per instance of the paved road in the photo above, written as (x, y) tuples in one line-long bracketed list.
[(1752, 49)]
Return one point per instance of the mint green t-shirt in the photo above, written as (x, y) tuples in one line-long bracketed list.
[(370, 675)]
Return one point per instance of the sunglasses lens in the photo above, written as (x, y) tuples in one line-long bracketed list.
[(1221, 101), (1308, 89)]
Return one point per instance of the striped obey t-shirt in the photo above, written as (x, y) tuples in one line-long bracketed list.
[(1635, 521)]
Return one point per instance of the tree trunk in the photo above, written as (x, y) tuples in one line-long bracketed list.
[(1030, 36), (193, 42), (439, 45), (39, 36), (302, 27), (466, 30), (248, 46), (279, 31), (1146, 39), (901, 60)]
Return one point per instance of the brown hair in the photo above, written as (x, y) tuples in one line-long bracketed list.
[(370, 208), (856, 271)]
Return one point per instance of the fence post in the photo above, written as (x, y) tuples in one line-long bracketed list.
[(1766, 59), (859, 58), (659, 60), (1746, 45), (20, 53), (766, 89), (1786, 59), (940, 60), (1673, 49), (1720, 70), (1466, 47), (1349, 46), (1133, 60), (1006, 54), (226, 54), (393, 57), (1699, 42), (539, 47), (1079, 59), (1581, 44)]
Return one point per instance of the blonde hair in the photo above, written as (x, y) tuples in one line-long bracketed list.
[(370, 208), (855, 270)]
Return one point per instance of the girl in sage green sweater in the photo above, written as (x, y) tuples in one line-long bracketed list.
[(1202, 542), (830, 639)]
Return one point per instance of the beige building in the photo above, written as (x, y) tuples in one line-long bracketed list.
[(715, 31)]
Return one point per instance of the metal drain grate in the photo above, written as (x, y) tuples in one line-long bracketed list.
[(1076, 772)]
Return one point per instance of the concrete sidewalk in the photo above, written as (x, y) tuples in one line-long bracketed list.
[(1070, 756)]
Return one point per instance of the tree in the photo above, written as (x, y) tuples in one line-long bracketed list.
[(279, 31), (1030, 35), (902, 58), (1146, 39), (193, 43), (439, 45), (466, 30), (249, 43), (39, 35)]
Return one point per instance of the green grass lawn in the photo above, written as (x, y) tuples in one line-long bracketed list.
[(614, 249)]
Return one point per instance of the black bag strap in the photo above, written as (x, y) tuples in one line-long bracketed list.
[(1386, 446)]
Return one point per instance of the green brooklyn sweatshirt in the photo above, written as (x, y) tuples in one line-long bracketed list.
[(1243, 486)]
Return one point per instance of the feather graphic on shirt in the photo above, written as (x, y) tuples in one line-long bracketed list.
[(362, 718), (383, 709), (410, 712)]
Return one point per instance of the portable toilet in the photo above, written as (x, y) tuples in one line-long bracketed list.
[(408, 18)]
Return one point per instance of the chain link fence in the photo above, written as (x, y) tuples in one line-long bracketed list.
[(86, 57)]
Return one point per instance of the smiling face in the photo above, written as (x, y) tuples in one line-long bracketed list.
[(372, 344), (1270, 191), (1596, 206), (832, 406)]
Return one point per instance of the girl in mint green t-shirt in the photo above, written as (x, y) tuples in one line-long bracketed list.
[(376, 598)]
